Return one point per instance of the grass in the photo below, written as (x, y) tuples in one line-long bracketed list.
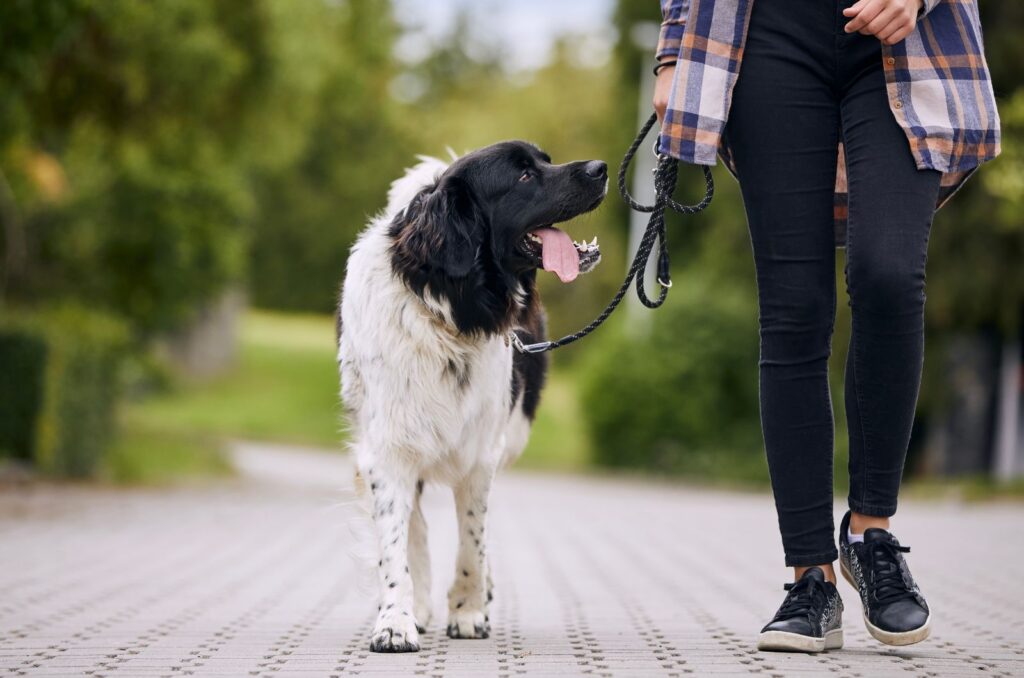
[(143, 456), (559, 440), (283, 388)]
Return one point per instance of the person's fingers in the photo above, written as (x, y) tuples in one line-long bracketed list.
[(881, 20), (855, 8), (891, 28), (887, 20), (909, 24), (865, 15), (900, 34)]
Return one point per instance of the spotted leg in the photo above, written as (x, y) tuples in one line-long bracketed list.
[(490, 583), (393, 492), (419, 563), (467, 598)]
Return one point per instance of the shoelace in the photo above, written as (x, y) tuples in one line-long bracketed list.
[(802, 598), (886, 578)]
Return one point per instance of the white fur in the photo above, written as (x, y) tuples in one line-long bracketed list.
[(411, 422)]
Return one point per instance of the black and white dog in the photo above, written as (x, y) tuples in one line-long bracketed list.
[(433, 390)]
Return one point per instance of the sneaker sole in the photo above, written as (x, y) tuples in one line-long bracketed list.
[(890, 637), (781, 641)]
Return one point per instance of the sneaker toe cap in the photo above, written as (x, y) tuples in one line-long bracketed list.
[(905, 615), (794, 625)]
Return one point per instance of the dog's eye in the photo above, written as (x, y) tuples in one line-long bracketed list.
[(527, 175)]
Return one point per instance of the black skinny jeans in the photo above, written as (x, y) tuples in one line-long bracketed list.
[(804, 85)]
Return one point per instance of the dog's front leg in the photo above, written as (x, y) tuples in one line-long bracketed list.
[(419, 562), (467, 598), (393, 493)]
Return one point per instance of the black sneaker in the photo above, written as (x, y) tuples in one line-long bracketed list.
[(895, 612), (810, 619)]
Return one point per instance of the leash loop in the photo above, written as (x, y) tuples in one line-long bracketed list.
[(666, 175)]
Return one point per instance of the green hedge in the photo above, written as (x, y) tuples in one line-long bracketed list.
[(680, 394), (58, 387)]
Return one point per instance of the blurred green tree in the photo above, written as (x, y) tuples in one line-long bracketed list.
[(139, 142), (681, 397), (309, 211)]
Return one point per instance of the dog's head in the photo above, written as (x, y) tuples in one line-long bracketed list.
[(477, 236)]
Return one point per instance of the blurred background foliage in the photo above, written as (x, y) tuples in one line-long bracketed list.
[(159, 160)]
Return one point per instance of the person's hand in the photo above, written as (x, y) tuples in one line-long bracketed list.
[(662, 90), (888, 20)]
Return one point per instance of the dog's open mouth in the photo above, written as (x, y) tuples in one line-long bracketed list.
[(553, 250)]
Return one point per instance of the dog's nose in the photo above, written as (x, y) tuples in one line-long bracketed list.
[(596, 169)]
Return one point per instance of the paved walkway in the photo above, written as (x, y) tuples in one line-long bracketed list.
[(593, 577)]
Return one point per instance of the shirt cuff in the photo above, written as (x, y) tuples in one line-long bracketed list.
[(670, 41)]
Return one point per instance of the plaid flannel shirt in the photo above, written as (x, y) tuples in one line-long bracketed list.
[(938, 83)]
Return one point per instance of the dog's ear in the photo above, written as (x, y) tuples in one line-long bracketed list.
[(444, 228)]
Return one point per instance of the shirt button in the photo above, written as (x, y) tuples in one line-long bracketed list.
[(890, 61), (898, 104)]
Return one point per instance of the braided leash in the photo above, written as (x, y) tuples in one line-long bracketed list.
[(665, 178)]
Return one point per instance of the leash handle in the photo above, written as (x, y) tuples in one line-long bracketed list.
[(666, 176), (634, 204)]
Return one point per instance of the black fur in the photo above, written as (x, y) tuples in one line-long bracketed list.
[(458, 371), (529, 370)]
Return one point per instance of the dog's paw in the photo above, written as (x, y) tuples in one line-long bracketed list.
[(395, 633), (468, 624), (422, 614)]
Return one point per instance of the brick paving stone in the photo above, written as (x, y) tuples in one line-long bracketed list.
[(594, 577)]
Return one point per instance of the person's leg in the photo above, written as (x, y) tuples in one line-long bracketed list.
[(783, 131), (890, 213), (890, 209)]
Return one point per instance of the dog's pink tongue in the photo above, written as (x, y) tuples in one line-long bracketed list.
[(559, 254)]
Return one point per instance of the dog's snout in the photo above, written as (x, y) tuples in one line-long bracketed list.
[(596, 169)]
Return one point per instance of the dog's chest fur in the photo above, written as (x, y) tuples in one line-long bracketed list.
[(415, 390)]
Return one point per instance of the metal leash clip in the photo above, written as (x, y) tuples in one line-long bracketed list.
[(539, 347)]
